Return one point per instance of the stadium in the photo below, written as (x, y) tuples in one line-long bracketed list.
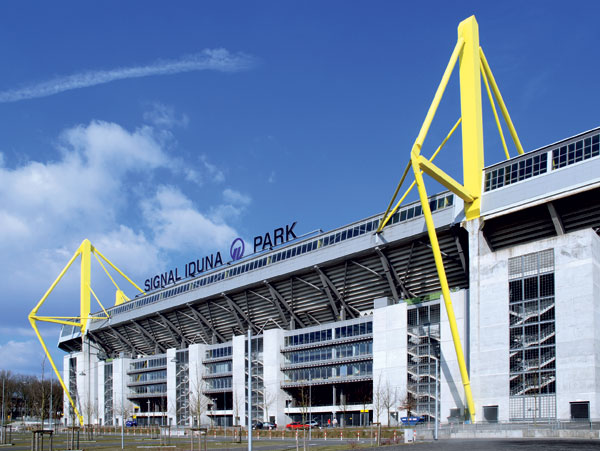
[(488, 316)]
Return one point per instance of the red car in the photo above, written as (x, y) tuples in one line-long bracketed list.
[(296, 425)]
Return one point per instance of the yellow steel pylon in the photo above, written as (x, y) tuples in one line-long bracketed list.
[(85, 251), (472, 67)]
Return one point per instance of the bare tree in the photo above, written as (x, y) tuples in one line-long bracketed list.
[(199, 403), (378, 398), (269, 397), (409, 403), (238, 402), (389, 399), (343, 408), (90, 410)]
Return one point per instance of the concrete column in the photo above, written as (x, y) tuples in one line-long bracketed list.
[(196, 355), (100, 385), (123, 408), (171, 407), (389, 356), (576, 259), (452, 393), (87, 373), (273, 376), (239, 379)]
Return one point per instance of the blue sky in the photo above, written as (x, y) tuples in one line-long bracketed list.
[(161, 131)]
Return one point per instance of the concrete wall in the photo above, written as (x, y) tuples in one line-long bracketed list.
[(273, 376), (198, 402), (577, 346), (171, 386), (239, 379), (100, 391), (577, 292), (389, 358), (122, 407), (452, 394)]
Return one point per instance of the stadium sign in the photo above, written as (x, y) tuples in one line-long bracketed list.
[(193, 268)]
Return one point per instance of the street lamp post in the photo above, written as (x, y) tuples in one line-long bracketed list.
[(249, 388), (122, 402), (309, 405)]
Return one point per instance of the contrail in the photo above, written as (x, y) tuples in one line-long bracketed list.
[(208, 59)]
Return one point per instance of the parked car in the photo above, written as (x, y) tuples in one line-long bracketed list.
[(268, 425), (313, 424), (257, 425), (296, 425), (131, 423)]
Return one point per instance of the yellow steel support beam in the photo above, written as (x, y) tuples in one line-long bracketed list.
[(439, 263), (85, 252), (470, 107), (438, 95), (496, 90), (493, 105), (388, 214), (85, 283), (62, 383), (440, 176)]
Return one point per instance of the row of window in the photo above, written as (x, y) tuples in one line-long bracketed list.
[(517, 171), (351, 232), (564, 155), (575, 152), (148, 363), (149, 376), (354, 330), (330, 353), (319, 336), (219, 367), (309, 337), (329, 372), (219, 383), (219, 352), (153, 388)]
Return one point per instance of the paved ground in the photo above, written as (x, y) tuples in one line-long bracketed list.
[(502, 445), (332, 445)]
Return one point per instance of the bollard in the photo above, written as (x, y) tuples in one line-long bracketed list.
[(325, 434), (358, 435), (270, 435), (282, 435), (215, 433), (341, 436), (395, 437)]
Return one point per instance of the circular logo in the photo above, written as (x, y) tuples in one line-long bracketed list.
[(237, 249)]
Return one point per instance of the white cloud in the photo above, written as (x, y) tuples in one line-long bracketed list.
[(130, 249), (215, 173), (179, 226), (82, 190), (209, 59), (164, 116), (93, 187), (236, 198)]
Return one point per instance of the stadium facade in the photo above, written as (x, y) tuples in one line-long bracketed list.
[(348, 324)]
